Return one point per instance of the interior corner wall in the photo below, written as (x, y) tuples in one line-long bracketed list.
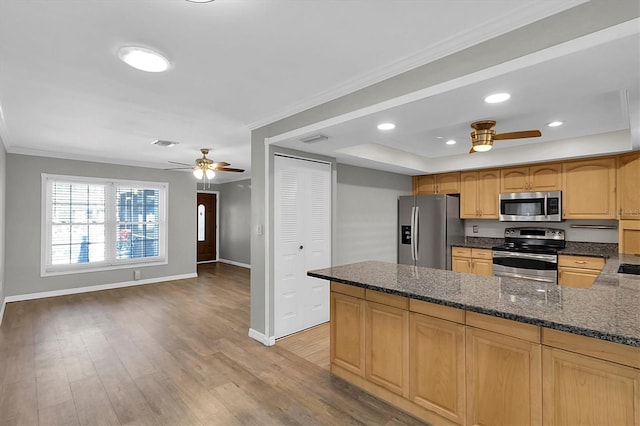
[(235, 221), (367, 214), (23, 219), (3, 214)]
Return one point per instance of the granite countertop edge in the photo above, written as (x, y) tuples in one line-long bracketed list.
[(601, 335)]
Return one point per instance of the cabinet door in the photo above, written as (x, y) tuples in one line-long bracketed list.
[(425, 184), (503, 380), (628, 192), (629, 236), (576, 277), (347, 332), (436, 364), (469, 195), (461, 264), (589, 189), (545, 177), (482, 267), (580, 390), (448, 183), (514, 179), (387, 347), (488, 190)]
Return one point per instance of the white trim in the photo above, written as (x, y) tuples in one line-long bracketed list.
[(484, 31), (256, 335), (4, 305), (267, 238), (234, 263), (203, 191), (591, 40), (202, 262), (91, 288)]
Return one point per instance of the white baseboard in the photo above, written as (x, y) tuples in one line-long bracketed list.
[(232, 262), (256, 335), (87, 289), (4, 304)]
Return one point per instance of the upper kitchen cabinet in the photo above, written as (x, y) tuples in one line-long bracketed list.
[(589, 189), (445, 183), (628, 182), (543, 177), (479, 194)]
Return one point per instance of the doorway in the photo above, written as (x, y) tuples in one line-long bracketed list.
[(207, 226)]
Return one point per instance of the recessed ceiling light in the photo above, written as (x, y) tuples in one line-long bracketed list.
[(451, 142), (386, 126), (200, 1), (143, 58), (439, 137), (555, 124), (496, 98)]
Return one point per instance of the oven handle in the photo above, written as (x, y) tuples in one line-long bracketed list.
[(547, 257), (524, 277), (546, 194)]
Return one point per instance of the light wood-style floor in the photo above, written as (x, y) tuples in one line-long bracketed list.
[(174, 353)]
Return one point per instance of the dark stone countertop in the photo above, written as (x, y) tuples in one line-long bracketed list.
[(609, 310)]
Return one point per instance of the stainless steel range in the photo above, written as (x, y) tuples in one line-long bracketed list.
[(529, 253)]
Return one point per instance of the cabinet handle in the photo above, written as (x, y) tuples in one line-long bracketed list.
[(580, 262)]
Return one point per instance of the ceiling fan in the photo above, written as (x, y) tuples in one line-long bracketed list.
[(483, 135), (206, 167)]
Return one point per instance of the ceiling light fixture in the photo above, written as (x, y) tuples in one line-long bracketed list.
[(143, 59), (497, 98), (314, 138), (451, 142), (555, 124), (199, 172), (481, 148), (386, 126)]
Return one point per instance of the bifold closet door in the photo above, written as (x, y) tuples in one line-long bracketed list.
[(302, 219)]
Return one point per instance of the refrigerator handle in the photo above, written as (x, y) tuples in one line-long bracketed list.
[(413, 240), (416, 232)]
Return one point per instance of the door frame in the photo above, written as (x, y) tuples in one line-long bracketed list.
[(217, 194)]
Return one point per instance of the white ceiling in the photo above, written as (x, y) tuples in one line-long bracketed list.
[(239, 64)]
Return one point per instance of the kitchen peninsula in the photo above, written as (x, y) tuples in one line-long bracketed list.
[(456, 348)]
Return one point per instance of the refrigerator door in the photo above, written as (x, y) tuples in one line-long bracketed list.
[(432, 231), (405, 229)]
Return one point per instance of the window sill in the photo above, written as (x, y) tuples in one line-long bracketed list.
[(102, 268)]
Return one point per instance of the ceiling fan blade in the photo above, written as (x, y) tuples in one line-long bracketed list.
[(219, 164), (229, 169), (182, 164), (517, 135)]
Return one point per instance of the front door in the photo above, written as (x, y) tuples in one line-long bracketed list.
[(206, 226)]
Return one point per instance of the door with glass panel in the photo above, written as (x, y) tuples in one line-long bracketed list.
[(206, 226)]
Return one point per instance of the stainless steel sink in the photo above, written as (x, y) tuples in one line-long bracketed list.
[(629, 268)]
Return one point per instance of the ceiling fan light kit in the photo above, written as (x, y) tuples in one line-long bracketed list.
[(206, 167), (483, 135)]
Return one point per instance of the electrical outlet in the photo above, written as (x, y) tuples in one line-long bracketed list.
[(136, 274), (475, 229)]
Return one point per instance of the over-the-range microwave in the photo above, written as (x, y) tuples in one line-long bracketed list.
[(531, 207)]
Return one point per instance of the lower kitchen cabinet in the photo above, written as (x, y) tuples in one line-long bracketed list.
[(629, 236), (436, 362), (347, 332), (472, 260), (578, 271), (582, 390), (503, 379), (387, 344)]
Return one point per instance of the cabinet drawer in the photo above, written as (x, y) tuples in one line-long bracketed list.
[(481, 253), (387, 299), (504, 326), (461, 251), (583, 262), (439, 311), (349, 290)]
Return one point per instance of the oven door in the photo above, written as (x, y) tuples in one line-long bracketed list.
[(528, 266)]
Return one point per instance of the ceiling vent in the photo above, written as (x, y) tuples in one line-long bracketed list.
[(165, 144), (314, 138)]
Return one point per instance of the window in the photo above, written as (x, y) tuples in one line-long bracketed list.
[(95, 224)]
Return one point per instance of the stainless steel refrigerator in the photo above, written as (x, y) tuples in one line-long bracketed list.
[(429, 225)]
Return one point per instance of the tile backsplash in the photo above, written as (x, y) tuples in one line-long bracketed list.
[(495, 229)]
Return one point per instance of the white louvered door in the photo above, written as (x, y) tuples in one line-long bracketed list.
[(302, 222)]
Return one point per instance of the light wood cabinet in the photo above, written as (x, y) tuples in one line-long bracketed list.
[(387, 345), (436, 360), (472, 260), (589, 382), (444, 183), (578, 271), (479, 194), (629, 236), (503, 379), (628, 182), (542, 177), (347, 333), (589, 189)]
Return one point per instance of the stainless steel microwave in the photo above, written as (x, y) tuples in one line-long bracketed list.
[(531, 207)]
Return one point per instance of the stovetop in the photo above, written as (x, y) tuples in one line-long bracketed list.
[(526, 248), (533, 240)]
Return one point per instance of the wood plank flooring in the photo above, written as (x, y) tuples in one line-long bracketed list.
[(174, 353)]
